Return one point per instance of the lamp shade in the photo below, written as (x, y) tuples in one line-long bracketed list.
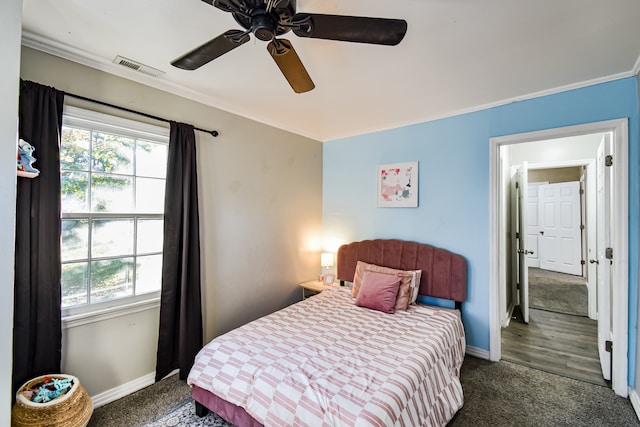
[(326, 259)]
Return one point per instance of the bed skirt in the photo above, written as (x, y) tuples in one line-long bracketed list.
[(228, 411)]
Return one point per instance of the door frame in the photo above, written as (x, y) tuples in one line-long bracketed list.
[(620, 236)]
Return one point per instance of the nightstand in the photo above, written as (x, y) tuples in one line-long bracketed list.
[(313, 287)]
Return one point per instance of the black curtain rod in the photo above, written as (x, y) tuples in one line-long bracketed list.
[(213, 133)]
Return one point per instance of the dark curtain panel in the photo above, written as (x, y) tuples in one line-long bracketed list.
[(37, 336), (180, 336)]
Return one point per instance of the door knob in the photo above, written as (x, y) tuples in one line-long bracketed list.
[(542, 232), (594, 261), (525, 252)]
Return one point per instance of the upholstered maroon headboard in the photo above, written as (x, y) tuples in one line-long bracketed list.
[(444, 274)]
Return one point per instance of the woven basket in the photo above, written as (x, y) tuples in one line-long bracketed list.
[(73, 409)]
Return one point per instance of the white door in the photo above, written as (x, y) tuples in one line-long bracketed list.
[(522, 250), (533, 224), (603, 241), (561, 236), (591, 191)]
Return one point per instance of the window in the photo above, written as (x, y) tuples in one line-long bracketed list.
[(113, 179)]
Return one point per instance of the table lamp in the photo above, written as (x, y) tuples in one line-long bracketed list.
[(326, 261)]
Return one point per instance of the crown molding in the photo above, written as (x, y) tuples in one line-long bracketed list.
[(502, 102), (88, 59), (70, 53)]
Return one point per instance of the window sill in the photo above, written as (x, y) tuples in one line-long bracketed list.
[(73, 321)]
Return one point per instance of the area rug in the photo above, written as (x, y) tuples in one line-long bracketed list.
[(557, 292), (185, 416)]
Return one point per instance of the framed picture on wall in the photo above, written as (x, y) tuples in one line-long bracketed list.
[(397, 185)]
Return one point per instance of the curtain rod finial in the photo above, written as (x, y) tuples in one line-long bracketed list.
[(214, 133)]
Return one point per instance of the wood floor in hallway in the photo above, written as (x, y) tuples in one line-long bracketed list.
[(558, 343)]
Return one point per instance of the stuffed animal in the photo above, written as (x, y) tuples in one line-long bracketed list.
[(48, 390), (25, 157)]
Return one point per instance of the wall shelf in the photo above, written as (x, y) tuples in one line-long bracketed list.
[(27, 174)]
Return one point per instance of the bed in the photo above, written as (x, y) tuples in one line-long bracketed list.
[(339, 360)]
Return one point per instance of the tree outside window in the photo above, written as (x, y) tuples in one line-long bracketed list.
[(112, 182)]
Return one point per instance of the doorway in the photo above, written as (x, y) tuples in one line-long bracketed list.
[(500, 242), (561, 229), (549, 328)]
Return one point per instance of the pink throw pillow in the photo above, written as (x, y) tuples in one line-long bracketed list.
[(378, 291), (409, 282)]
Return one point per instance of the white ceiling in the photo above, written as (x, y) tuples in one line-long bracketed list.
[(457, 56)]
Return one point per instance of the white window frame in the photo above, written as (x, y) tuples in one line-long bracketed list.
[(82, 118)]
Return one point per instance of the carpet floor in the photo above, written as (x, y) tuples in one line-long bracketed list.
[(185, 415), (558, 292), (496, 394)]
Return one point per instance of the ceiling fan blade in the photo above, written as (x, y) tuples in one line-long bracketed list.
[(358, 29), (211, 50), (289, 63)]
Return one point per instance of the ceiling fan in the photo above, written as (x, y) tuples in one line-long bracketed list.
[(270, 19)]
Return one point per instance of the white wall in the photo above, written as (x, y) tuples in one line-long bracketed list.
[(260, 194), (556, 150), (10, 32)]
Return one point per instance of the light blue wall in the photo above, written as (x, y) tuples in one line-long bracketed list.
[(453, 210)]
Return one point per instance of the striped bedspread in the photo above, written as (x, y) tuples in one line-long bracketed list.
[(326, 362)]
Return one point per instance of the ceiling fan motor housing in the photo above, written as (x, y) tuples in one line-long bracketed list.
[(265, 24)]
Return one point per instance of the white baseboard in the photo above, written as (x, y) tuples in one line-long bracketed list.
[(123, 390), (126, 389), (477, 352), (635, 401)]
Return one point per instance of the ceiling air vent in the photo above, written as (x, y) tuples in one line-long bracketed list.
[(136, 66)]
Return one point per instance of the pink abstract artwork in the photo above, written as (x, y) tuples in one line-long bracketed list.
[(398, 185)]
